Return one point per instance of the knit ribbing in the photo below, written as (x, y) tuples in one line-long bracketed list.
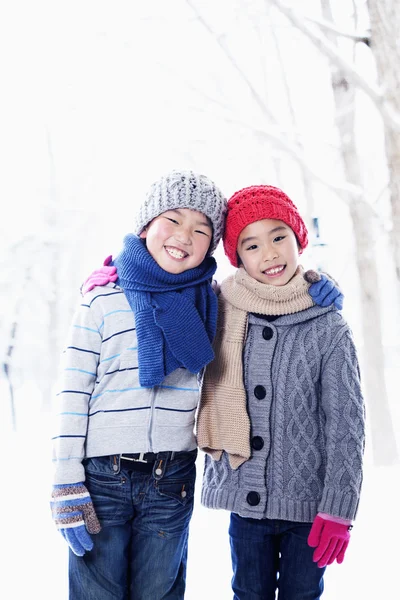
[(248, 294), (256, 203), (171, 310), (184, 189)]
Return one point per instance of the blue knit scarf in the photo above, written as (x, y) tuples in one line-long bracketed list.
[(175, 315)]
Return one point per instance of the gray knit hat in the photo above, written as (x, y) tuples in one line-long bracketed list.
[(184, 189)]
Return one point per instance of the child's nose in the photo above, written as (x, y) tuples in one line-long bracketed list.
[(270, 253), (183, 236)]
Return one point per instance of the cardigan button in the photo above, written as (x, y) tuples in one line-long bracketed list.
[(253, 498), (257, 443), (260, 392), (267, 333)]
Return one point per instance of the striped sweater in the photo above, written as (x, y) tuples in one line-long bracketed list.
[(101, 409)]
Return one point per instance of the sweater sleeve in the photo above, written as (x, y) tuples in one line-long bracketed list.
[(77, 379), (343, 414)]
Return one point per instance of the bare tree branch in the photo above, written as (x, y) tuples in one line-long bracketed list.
[(189, 84), (220, 41), (307, 179), (279, 141), (293, 133), (352, 35), (294, 152), (390, 117), (282, 143)]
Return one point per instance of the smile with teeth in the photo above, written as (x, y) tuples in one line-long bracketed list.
[(175, 252), (274, 270)]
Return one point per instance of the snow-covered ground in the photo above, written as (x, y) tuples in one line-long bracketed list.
[(34, 563)]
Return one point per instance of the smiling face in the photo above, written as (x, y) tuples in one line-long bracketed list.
[(178, 239), (269, 251)]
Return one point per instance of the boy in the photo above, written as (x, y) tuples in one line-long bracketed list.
[(125, 450), (281, 415)]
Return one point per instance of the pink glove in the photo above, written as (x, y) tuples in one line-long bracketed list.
[(330, 538), (100, 276)]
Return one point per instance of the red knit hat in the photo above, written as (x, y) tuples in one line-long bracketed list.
[(255, 203)]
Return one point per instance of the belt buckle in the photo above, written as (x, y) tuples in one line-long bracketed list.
[(140, 459)]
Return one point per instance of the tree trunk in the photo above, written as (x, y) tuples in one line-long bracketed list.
[(53, 248), (385, 27), (7, 373), (383, 437)]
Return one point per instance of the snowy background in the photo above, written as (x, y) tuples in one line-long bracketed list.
[(98, 100)]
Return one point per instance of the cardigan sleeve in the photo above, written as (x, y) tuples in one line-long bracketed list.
[(77, 379), (343, 413)]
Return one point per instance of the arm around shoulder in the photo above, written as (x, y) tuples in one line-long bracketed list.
[(324, 290)]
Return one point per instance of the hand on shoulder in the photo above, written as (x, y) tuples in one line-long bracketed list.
[(324, 290), (106, 274)]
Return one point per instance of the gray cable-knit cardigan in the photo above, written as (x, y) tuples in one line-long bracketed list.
[(307, 422)]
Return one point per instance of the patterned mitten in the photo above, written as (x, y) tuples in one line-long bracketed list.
[(100, 276), (74, 515), (330, 540), (323, 290)]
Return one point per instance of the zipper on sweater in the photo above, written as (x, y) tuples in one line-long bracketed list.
[(151, 424)]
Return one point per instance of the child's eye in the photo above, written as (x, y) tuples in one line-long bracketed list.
[(252, 247), (279, 238), (172, 220), (202, 232)]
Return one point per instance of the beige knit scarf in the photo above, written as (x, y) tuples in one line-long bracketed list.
[(222, 422)]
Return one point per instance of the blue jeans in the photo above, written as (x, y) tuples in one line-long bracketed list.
[(141, 550), (270, 554)]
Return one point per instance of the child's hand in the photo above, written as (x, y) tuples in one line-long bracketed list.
[(324, 291), (100, 276), (216, 287), (330, 538), (74, 516)]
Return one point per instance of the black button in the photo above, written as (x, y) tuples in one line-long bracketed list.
[(267, 333), (260, 392), (253, 498), (257, 442)]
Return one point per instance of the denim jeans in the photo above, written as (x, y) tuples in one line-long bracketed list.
[(270, 554), (141, 550)]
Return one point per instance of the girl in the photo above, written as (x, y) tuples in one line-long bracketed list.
[(282, 414)]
